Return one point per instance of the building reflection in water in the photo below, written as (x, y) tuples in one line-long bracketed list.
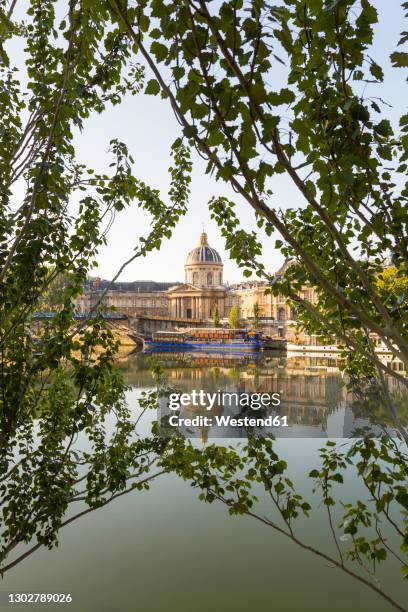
[(313, 390)]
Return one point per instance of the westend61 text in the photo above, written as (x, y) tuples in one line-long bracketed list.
[(228, 421), (254, 401)]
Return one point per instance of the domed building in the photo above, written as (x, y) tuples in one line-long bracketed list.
[(166, 306), (203, 288), (203, 265)]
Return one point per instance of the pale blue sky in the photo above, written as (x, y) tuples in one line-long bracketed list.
[(148, 127)]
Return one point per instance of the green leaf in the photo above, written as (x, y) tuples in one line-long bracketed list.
[(284, 96), (152, 87), (399, 59), (155, 33), (190, 131), (346, 177), (159, 50), (377, 71), (215, 138)]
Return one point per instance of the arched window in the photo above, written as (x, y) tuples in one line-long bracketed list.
[(209, 278), (220, 278), (195, 278), (281, 314), (293, 314)]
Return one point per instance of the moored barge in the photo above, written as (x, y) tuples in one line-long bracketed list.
[(206, 339)]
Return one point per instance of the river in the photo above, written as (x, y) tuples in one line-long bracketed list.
[(165, 550)]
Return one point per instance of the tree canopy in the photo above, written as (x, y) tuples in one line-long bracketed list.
[(58, 378), (259, 90), (233, 319), (262, 90)]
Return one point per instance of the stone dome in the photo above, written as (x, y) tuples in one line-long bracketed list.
[(286, 264), (203, 253)]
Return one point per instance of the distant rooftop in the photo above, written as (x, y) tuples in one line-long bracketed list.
[(99, 284), (250, 284)]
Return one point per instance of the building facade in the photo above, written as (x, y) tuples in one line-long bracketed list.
[(203, 289), (132, 299), (202, 292)]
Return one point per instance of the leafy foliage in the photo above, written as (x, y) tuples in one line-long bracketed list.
[(233, 319), (256, 315), (58, 380), (215, 316), (262, 90), (253, 481)]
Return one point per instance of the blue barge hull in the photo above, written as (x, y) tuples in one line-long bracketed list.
[(205, 346)]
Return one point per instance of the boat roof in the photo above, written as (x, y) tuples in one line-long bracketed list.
[(206, 329), (220, 329), (168, 332)]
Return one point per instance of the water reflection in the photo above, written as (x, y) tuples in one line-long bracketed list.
[(158, 533), (315, 396)]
